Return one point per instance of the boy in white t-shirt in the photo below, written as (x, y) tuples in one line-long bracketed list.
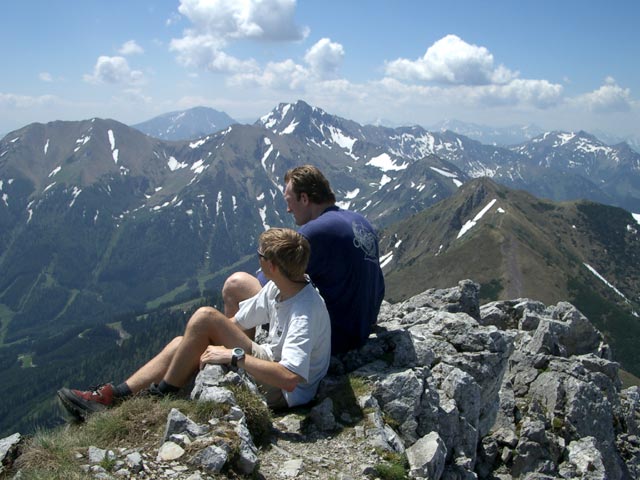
[(288, 366)]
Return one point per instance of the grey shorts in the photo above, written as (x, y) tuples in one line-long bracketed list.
[(274, 396)]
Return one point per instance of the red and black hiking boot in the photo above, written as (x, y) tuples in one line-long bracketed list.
[(83, 403)]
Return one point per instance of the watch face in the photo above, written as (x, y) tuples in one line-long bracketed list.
[(237, 354)]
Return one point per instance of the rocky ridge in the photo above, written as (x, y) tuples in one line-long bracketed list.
[(510, 390)]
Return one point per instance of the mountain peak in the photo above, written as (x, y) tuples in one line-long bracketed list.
[(187, 124)]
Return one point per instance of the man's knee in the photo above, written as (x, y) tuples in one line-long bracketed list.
[(238, 287)]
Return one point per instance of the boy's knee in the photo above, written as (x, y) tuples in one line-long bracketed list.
[(206, 313), (204, 317)]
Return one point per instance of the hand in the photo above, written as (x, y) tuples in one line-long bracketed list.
[(215, 355)]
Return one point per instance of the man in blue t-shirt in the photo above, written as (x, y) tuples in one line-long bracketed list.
[(344, 263)]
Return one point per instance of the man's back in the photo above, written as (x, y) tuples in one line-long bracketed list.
[(345, 268)]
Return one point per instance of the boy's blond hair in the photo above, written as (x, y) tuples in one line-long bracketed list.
[(288, 249)]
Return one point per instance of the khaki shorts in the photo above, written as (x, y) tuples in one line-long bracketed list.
[(274, 396)]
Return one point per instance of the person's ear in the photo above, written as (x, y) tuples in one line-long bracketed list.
[(304, 198), (271, 265)]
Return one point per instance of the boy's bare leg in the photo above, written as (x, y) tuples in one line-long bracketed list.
[(207, 326), (154, 369)]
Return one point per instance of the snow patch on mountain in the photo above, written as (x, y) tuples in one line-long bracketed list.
[(472, 223), (198, 143), (174, 165), (199, 166), (385, 163), (74, 193), (385, 259), (30, 210), (352, 194), (595, 272), (290, 128), (564, 138), (112, 142), (340, 138), (81, 141), (219, 204), (444, 173), (263, 160), (347, 197), (112, 139), (263, 215)]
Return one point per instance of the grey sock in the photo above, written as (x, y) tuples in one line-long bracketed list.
[(165, 387), (122, 390)]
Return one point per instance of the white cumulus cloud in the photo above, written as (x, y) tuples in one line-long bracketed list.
[(114, 70), (216, 23), (610, 97), (451, 60), (324, 58), (205, 51), (130, 48), (322, 61), (285, 75), (260, 19), (45, 77), (457, 72), (537, 93)]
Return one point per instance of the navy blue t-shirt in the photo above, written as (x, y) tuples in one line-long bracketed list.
[(345, 267)]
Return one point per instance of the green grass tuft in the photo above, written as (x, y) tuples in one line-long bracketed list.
[(395, 466), (258, 415)]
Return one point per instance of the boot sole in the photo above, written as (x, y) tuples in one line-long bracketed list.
[(78, 409)]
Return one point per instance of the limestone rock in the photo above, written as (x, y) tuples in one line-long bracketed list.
[(512, 390), (427, 457), (8, 449)]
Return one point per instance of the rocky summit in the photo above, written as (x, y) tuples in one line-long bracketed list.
[(508, 390)]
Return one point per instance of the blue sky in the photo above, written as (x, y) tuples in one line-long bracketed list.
[(565, 65)]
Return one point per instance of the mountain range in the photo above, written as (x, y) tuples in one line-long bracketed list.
[(518, 246), (502, 136), (98, 219)]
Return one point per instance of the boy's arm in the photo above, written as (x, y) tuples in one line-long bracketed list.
[(264, 371)]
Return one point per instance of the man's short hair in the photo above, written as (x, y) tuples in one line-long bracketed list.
[(288, 249), (308, 179)]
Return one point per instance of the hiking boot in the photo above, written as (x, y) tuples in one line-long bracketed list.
[(83, 403)]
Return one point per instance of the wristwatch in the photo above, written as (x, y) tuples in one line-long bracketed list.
[(237, 354)]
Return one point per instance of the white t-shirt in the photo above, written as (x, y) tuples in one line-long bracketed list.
[(299, 334)]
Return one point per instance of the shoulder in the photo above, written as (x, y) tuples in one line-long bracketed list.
[(309, 296), (331, 220), (269, 291)]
